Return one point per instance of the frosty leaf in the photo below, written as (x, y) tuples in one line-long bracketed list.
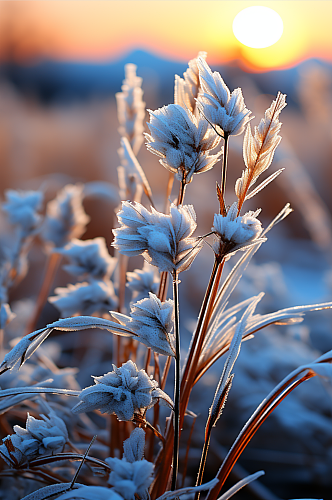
[(169, 495), (50, 492), (234, 350), (228, 494), (142, 281), (86, 322), (24, 349), (90, 493)]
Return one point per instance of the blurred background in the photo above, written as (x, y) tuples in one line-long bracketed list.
[(61, 64)]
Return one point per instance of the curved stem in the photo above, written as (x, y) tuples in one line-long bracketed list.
[(176, 381), (253, 424)]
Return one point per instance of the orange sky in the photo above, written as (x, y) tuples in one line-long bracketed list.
[(104, 30)]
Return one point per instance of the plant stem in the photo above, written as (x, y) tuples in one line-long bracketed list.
[(176, 418), (224, 168), (52, 265), (182, 191)]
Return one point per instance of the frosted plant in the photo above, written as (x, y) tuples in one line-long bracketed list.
[(258, 150), (152, 321), (6, 315), (131, 108), (182, 141), (132, 178), (133, 447), (132, 475), (89, 258), (225, 111), (22, 208), (40, 437), (235, 232), (163, 240), (123, 391), (142, 281), (65, 217), (84, 298), (186, 89)]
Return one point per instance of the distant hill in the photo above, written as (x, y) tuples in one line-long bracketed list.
[(61, 81)]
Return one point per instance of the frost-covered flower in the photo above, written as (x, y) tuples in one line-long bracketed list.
[(22, 208), (152, 320), (89, 257), (84, 298), (182, 141), (142, 281), (131, 475), (225, 111), (235, 232), (186, 89), (123, 391), (163, 240), (40, 437), (65, 217)]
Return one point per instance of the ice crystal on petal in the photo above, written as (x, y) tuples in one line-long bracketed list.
[(65, 216), (182, 141), (40, 437), (89, 257), (152, 320), (22, 208), (142, 281), (235, 232), (123, 391), (163, 240), (84, 298), (225, 111)]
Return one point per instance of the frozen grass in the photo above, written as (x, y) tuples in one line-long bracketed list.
[(121, 323)]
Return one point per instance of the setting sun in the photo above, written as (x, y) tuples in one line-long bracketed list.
[(258, 27)]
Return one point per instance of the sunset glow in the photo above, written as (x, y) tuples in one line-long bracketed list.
[(258, 27), (106, 30)]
